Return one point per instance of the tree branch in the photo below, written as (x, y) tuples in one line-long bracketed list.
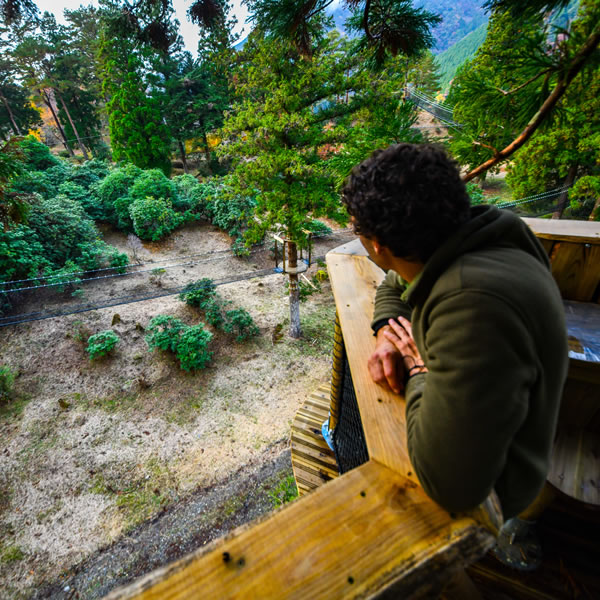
[(574, 68), (520, 87)]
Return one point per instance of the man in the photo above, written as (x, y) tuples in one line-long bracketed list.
[(469, 325)]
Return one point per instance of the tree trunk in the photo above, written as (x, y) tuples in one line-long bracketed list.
[(10, 114), (562, 201), (48, 103), (81, 146), (595, 214), (206, 152), (295, 331), (183, 157)]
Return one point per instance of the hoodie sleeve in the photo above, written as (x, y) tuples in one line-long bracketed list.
[(388, 301), (462, 415)]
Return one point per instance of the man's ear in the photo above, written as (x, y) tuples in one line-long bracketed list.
[(377, 247)]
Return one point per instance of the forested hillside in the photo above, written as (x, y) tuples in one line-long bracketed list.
[(452, 58)]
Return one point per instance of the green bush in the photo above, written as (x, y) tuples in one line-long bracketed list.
[(153, 182), (89, 173), (38, 156), (198, 292), (213, 311), (7, 379), (240, 323), (153, 218), (33, 182), (65, 277), (163, 332), (61, 224), (317, 227), (100, 344), (76, 192), (191, 348), (192, 196), (98, 255), (59, 173), (114, 186), (21, 254)]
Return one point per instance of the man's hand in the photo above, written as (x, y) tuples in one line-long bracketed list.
[(400, 335), (386, 364)]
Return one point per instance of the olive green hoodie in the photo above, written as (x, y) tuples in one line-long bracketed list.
[(488, 320)]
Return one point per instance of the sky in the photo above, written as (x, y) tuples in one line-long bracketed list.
[(188, 30)]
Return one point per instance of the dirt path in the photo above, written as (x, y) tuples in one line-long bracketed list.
[(90, 450)]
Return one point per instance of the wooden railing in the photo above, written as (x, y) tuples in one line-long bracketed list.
[(372, 531)]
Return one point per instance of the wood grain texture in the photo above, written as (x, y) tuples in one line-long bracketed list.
[(313, 462), (576, 269), (575, 468), (354, 280), (383, 533), (565, 230)]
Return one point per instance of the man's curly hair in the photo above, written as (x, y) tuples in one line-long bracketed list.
[(408, 197)]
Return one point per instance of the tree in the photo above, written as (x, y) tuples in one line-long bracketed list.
[(290, 117), (423, 73), (17, 113), (13, 207), (541, 79), (567, 152), (388, 27)]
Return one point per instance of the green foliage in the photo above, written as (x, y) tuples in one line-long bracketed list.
[(197, 293), (240, 323), (7, 379), (98, 254), (164, 332), (13, 206), (89, 173), (566, 153), (137, 131), (21, 254), (37, 155), (188, 343), (100, 344), (476, 194), (153, 218), (66, 277), (191, 194), (75, 192), (285, 491), (317, 227), (16, 97), (112, 189), (60, 225), (33, 182), (152, 182), (192, 348)]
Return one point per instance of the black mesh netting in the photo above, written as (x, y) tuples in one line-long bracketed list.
[(348, 436)]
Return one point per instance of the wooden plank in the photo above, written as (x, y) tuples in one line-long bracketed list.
[(575, 466), (565, 230), (354, 280), (368, 531), (576, 269)]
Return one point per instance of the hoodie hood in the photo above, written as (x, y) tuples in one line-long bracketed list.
[(488, 226)]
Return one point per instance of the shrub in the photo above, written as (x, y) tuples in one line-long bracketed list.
[(61, 224), (98, 254), (153, 182), (64, 278), (74, 191), (89, 173), (317, 227), (192, 196), (198, 292), (21, 254), (163, 332), (191, 348), (153, 218), (239, 322), (33, 182), (38, 156), (7, 379), (59, 173), (114, 186), (100, 344), (213, 311)]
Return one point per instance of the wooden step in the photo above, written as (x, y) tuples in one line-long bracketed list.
[(313, 462)]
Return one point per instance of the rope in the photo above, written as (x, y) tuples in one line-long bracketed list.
[(29, 317)]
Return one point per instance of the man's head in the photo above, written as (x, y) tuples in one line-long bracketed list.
[(409, 198)]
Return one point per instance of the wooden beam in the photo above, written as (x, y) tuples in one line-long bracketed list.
[(565, 230), (368, 531)]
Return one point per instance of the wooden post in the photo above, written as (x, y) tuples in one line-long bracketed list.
[(295, 331)]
